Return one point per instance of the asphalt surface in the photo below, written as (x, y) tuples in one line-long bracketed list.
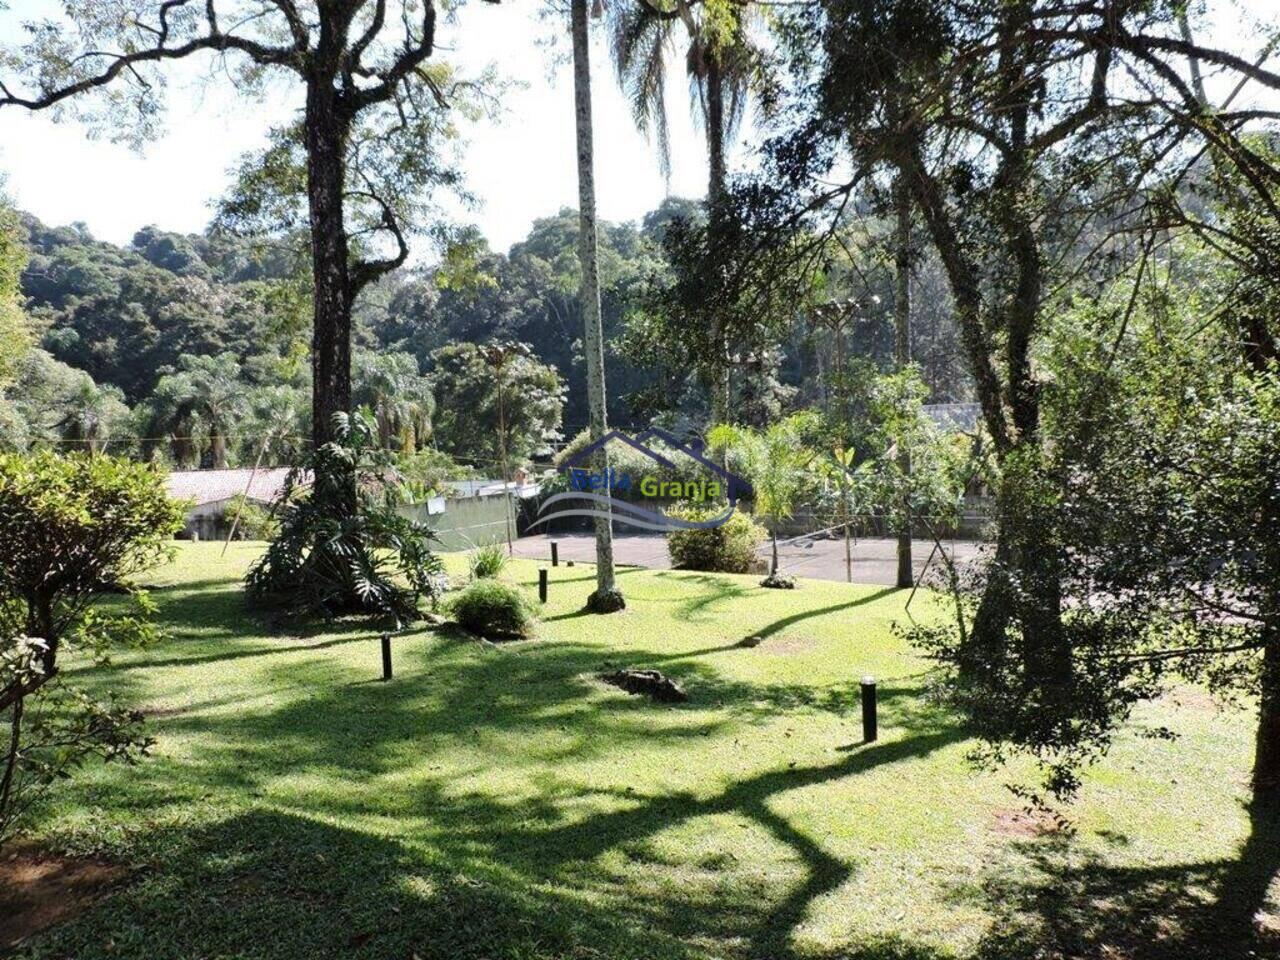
[(875, 559)]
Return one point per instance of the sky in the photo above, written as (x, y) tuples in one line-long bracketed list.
[(521, 167)]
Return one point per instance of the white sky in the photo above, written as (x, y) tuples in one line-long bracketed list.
[(521, 167)]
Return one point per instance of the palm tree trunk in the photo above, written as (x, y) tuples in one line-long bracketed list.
[(717, 191), (607, 596), (902, 353)]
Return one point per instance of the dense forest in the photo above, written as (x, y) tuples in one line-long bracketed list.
[(192, 349)]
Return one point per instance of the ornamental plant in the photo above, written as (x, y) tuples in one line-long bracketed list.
[(74, 530)]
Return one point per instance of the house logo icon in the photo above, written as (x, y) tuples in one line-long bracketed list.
[(610, 494)]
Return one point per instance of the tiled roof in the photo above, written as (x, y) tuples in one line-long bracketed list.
[(210, 486)]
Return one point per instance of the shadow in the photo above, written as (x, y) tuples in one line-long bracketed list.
[(327, 815), (1077, 905), (783, 623)]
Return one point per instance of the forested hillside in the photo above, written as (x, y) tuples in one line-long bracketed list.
[(193, 348)]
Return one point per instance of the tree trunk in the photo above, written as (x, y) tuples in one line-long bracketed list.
[(327, 128), (773, 536), (902, 353), (717, 191), (607, 597), (218, 448), (1266, 757)]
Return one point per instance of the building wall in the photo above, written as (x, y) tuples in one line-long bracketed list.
[(468, 522)]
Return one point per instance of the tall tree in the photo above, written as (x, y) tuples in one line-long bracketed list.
[(607, 597), (204, 398), (364, 67), (902, 347), (722, 63), (394, 390)]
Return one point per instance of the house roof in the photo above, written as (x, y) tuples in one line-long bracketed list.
[(461, 489), (210, 486)]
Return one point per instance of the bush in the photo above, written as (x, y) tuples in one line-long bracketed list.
[(487, 561), (728, 548), (73, 530), (256, 522), (494, 609)]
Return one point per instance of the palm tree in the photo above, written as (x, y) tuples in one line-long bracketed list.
[(607, 596), (393, 388), (204, 396), (722, 63), (89, 414), (777, 461)]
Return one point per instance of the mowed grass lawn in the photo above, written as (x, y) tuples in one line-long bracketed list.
[(500, 802)]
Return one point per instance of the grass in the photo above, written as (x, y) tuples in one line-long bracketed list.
[(499, 802)]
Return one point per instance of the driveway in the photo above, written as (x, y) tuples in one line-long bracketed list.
[(875, 559)]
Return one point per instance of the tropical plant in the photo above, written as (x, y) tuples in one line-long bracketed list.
[(494, 609), (90, 416), (607, 597), (70, 527), (470, 417), (777, 461), (723, 63), (391, 386), (487, 561), (326, 563), (204, 398)]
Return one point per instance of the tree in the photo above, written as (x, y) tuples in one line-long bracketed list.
[(722, 63), (90, 416), (902, 349), (380, 563), (373, 99), (607, 597), (68, 527), (15, 335), (391, 386), (468, 425), (777, 462), (204, 397)]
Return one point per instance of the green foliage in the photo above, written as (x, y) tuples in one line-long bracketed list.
[(487, 561), (200, 404), (343, 546), (776, 461), (70, 528), (477, 401), (15, 332), (256, 521), (728, 548), (494, 609), (390, 385)]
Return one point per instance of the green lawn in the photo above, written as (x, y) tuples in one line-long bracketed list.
[(499, 802)]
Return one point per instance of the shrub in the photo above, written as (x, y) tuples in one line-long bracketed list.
[(487, 561), (728, 548), (72, 531), (256, 522), (494, 609)]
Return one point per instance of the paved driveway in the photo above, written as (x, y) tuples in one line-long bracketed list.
[(875, 559)]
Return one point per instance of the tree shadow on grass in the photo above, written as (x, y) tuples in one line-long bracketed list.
[(1058, 902), (276, 886)]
